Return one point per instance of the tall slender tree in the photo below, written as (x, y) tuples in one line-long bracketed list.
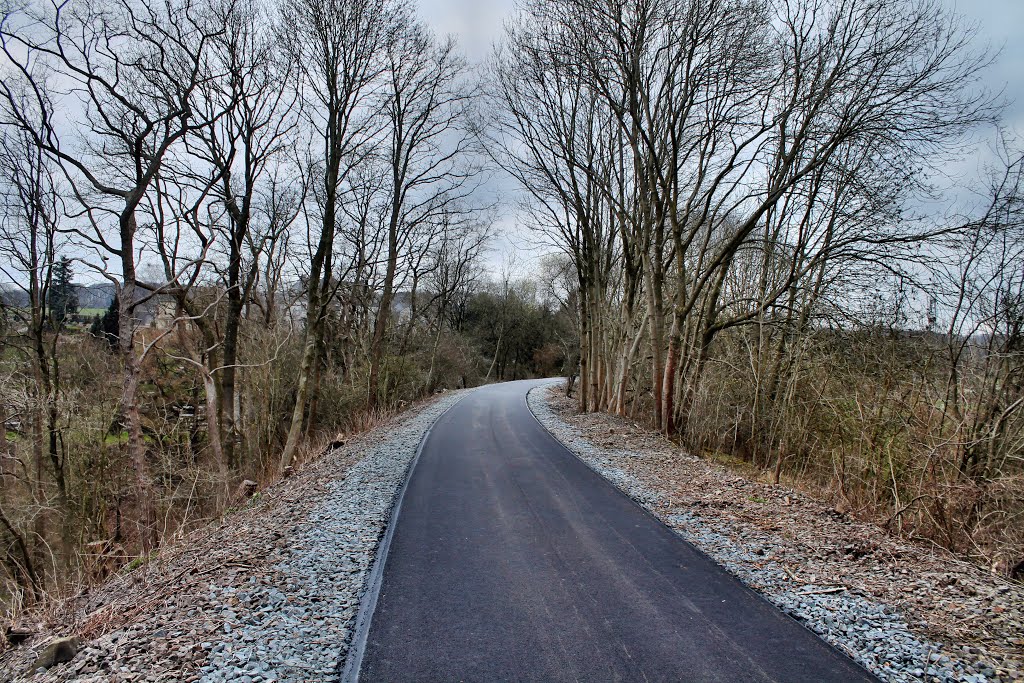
[(131, 69), (63, 301), (338, 48)]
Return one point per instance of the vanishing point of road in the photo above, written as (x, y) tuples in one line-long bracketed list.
[(511, 560)]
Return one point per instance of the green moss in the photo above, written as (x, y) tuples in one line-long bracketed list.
[(139, 561), (115, 439)]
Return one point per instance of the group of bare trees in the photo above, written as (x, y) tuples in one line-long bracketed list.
[(730, 180), (285, 198), (270, 178)]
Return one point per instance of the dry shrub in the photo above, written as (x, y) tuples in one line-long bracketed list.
[(860, 417)]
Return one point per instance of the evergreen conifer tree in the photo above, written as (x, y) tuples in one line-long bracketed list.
[(63, 297)]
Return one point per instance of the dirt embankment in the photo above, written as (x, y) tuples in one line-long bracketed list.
[(202, 608), (813, 560)]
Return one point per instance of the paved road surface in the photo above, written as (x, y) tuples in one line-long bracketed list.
[(513, 561)]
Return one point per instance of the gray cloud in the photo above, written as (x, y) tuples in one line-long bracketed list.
[(477, 23), (1000, 25)]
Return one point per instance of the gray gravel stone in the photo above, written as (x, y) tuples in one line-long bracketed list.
[(298, 629), (874, 634)]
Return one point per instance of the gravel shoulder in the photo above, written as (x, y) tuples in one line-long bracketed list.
[(905, 611), (269, 594)]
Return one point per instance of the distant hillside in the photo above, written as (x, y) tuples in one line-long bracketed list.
[(95, 296), (89, 296)]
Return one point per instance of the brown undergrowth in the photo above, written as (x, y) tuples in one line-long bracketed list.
[(165, 591), (817, 537)]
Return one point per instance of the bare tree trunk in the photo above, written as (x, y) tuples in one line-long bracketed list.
[(39, 471), (132, 373), (668, 420), (314, 390), (213, 431), (383, 317), (657, 338), (624, 377), (429, 385), (585, 345), (226, 406), (302, 391), (56, 458)]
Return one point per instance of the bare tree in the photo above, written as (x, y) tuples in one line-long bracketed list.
[(245, 154), (338, 49), (716, 113), (425, 103), (29, 246), (128, 72)]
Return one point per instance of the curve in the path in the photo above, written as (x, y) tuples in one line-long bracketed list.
[(511, 560)]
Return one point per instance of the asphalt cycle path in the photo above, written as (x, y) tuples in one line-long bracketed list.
[(511, 560)]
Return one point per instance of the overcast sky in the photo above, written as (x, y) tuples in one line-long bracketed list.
[(478, 23), (1000, 23)]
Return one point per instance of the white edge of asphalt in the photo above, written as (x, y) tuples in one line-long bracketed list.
[(375, 579)]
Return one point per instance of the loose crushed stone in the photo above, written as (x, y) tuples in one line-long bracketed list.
[(876, 635), (299, 631)]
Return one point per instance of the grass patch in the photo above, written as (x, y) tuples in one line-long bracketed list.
[(733, 462), (122, 438), (115, 439), (139, 561)]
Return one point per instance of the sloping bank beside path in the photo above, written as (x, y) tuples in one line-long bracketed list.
[(268, 596), (905, 612)]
